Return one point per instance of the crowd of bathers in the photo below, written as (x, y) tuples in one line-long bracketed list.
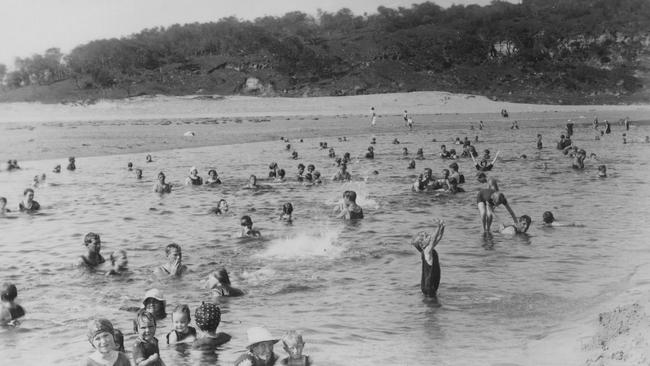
[(108, 342)]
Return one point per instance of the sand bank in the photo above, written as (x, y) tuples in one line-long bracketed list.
[(239, 106), (32, 131)]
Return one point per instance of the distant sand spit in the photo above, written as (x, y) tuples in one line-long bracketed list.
[(239, 106)]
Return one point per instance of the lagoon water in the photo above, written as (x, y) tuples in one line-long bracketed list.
[(351, 288)]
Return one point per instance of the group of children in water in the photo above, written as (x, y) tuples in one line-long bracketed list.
[(108, 342)]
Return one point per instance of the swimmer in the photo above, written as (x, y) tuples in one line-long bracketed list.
[(419, 154), (411, 164), (219, 283), (452, 154), (174, 266), (489, 198), (425, 243), (207, 317), (452, 186), (548, 220), (259, 350), (342, 174), (424, 180), (138, 173), (346, 157), (539, 141), (331, 153), (35, 181), (405, 151), (93, 258), (273, 167), (480, 125), (349, 210), (212, 179), (145, 349), (579, 160), (457, 141), (155, 304), (287, 211), (28, 204), (602, 171), (3, 206), (483, 164), (455, 174), (247, 230), (519, 228), (481, 178), (161, 186), (280, 176), (71, 165), (301, 171), (129, 166), (443, 152), (119, 263), (395, 141), (193, 179), (647, 139), (373, 141), (371, 153), (57, 169), (316, 178), (101, 336), (149, 159), (311, 168), (252, 182), (293, 344), (181, 331), (294, 155), (10, 312), (287, 147), (221, 209)]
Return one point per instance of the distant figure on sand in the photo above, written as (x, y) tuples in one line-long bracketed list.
[(425, 243), (373, 120), (71, 165)]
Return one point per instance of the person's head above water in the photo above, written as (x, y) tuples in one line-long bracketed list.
[(161, 177), (547, 217), (602, 171), (525, 220), (350, 196), (193, 171), (287, 208), (246, 221), (273, 165), (481, 177)]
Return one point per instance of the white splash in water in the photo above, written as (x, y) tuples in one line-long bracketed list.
[(305, 245)]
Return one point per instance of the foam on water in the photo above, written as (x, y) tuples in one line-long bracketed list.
[(305, 244)]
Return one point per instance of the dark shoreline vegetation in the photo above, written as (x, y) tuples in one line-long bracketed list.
[(539, 51)]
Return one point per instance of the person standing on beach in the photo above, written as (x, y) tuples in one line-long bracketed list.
[(406, 117), (373, 120)]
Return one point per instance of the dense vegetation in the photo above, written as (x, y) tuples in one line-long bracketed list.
[(588, 51)]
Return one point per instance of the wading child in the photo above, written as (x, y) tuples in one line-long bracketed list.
[(119, 263), (182, 332), (101, 335), (174, 266), (10, 312), (145, 349), (155, 303), (207, 317), (287, 211), (293, 344)]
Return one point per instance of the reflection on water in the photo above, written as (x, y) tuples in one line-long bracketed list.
[(352, 288)]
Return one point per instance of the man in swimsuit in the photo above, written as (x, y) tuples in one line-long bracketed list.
[(349, 209), (425, 243)]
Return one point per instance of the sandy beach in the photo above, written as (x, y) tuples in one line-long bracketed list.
[(147, 124)]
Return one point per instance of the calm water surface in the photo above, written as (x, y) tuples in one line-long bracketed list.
[(352, 288)]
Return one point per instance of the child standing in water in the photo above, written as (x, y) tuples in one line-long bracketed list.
[(101, 335), (28, 204), (425, 243), (208, 317), (10, 312), (174, 266), (119, 263), (293, 344), (539, 141), (182, 332), (155, 303), (287, 211), (92, 258), (349, 209), (145, 349), (71, 165)]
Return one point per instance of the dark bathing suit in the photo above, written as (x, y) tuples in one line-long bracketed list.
[(196, 181), (430, 274), (485, 196), (191, 331), (356, 214)]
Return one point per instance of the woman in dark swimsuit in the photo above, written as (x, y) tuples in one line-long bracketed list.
[(425, 243), (487, 199), (194, 179)]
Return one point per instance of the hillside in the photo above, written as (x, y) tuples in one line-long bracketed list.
[(539, 51)]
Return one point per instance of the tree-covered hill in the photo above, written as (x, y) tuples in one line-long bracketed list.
[(551, 51)]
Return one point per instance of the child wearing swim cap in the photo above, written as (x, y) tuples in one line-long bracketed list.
[(293, 344), (101, 335), (207, 317)]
